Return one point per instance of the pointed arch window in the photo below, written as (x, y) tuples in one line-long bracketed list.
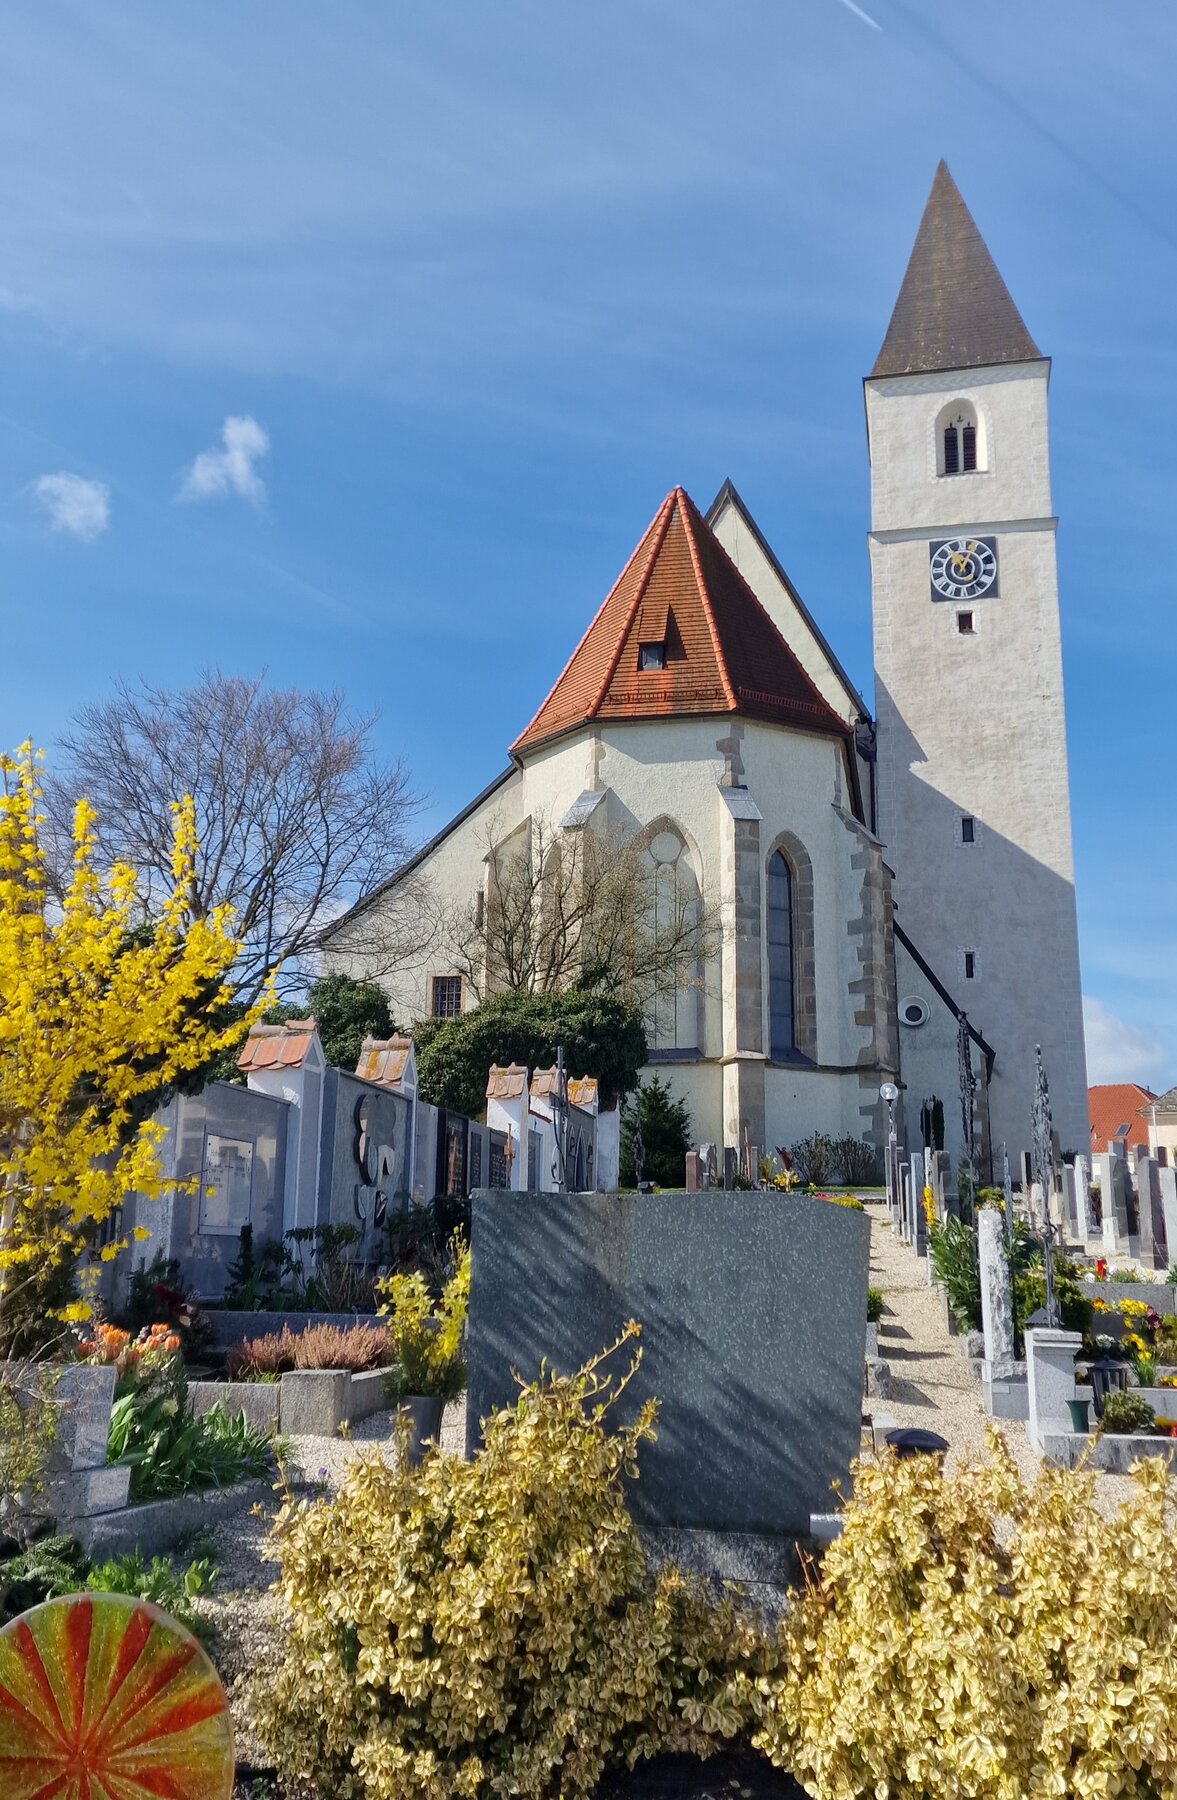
[(781, 961), (959, 440)]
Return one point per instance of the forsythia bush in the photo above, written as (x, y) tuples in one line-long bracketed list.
[(492, 1628), (94, 1020), (973, 1635)]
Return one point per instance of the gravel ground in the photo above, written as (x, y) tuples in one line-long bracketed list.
[(932, 1385)]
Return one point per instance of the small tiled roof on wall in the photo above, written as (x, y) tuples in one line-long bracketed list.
[(508, 1083), (723, 654), (277, 1046), (954, 311), (382, 1060), (1115, 1104)]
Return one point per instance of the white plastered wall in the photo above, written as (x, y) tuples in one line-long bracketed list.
[(974, 725)]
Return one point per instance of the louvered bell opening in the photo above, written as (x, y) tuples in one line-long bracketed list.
[(969, 446), (951, 451)]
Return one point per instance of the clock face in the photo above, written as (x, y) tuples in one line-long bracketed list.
[(963, 568)]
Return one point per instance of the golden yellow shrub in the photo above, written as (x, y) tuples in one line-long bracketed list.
[(492, 1628), (973, 1635)]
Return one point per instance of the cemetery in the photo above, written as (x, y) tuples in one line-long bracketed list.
[(617, 1295)]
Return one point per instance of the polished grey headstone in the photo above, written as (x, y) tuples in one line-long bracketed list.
[(753, 1314)]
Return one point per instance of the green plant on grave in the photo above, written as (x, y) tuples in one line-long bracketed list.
[(814, 1160), (952, 1246), (161, 1581), (1126, 1412), (1029, 1295), (1145, 1364), (357, 1348), (426, 1342), (874, 1305), (666, 1136), (975, 1634), (492, 1628)]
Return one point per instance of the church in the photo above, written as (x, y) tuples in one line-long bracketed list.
[(894, 890)]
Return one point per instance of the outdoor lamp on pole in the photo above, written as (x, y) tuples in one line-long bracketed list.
[(889, 1093)]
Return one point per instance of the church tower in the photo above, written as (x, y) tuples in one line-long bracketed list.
[(973, 801)]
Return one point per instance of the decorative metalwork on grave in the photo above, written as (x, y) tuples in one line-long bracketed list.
[(1042, 1163), (968, 1096)]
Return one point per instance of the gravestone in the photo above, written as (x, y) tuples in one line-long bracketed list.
[(1113, 1202), (753, 1316), (1167, 1184), (905, 1201), (1070, 1201), (919, 1223), (694, 1172), (1003, 1377), (1026, 1164), (1153, 1236), (1050, 1360), (1083, 1211)]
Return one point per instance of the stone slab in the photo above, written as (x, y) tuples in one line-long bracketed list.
[(158, 1525), (315, 1402), (1156, 1294), (84, 1493), (1113, 1453), (1006, 1397), (258, 1400), (753, 1309)]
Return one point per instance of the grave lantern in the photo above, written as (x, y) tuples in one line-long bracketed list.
[(1108, 1376)]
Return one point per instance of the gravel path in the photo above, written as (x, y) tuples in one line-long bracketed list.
[(932, 1384)]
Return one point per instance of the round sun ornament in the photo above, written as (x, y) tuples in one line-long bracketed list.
[(106, 1698)]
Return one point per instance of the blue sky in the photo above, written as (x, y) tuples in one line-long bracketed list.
[(489, 279)]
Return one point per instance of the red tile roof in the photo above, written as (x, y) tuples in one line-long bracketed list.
[(1119, 1103), (277, 1046), (723, 652), (382, 1060)]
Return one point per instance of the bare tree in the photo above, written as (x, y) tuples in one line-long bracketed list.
[(583, 907), (296, 818)]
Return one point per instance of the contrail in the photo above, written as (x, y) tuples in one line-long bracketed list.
[(859, 14)]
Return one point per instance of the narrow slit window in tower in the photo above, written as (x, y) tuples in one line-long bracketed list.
[(970, 965), (968, 830), (952, 450)]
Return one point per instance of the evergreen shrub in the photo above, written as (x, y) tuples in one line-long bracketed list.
[(492, 1628), (976, 1635)]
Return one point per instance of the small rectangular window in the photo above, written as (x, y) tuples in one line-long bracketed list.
[(651, 656), (965, 624), (447, 996), (968, 832), (970, 965)]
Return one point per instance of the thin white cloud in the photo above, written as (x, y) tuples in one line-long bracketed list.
[(1118, 1051), (75, 505), (233, 468), (859, 14)]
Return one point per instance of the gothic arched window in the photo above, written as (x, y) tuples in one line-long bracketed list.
[(674, 895), (782, 1022), (959, 440)]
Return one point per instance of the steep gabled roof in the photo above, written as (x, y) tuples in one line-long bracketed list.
[(723, 652), (954, 311), (727, 498)]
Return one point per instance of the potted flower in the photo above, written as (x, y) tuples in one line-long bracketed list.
[(427, 1341)]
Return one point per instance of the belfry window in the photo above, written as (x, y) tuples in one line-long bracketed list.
[(958, 440), (781, 1012)]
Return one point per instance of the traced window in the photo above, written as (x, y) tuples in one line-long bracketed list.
[(782, 1024), (674, 1013), (959, 442), (226, 1184), (966, 623), (651, 656), (968, 830), (447, 996)]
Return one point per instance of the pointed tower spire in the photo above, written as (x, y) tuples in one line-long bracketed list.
[(954, 311)]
